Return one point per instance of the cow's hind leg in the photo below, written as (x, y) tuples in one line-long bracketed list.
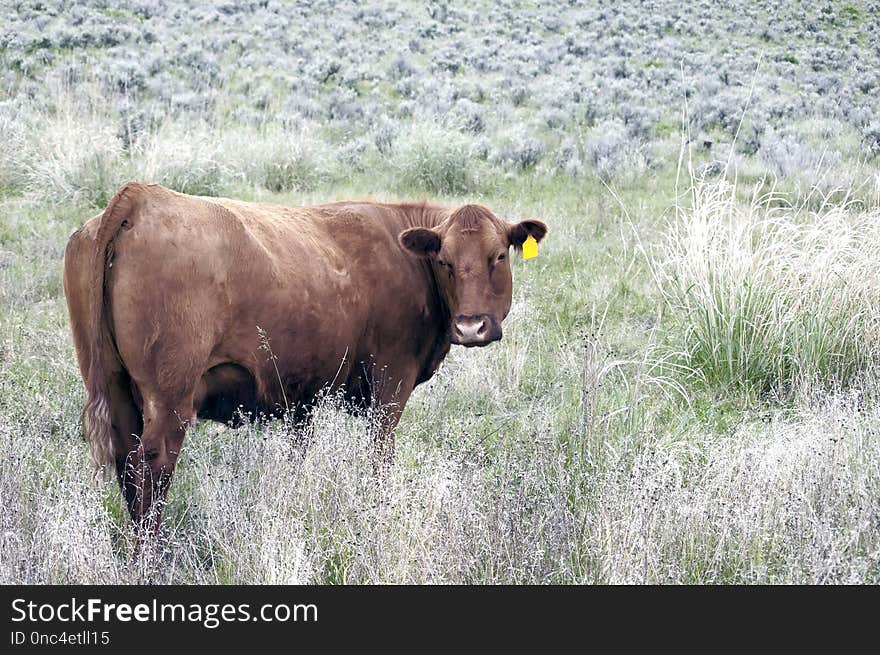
[(127, 426), (153, 460)]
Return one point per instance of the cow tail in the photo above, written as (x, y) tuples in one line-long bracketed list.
[(96, 418)]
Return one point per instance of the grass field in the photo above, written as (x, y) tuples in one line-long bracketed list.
[(686, 391)]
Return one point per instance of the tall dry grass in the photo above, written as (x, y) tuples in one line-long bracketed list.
[(510, 494)]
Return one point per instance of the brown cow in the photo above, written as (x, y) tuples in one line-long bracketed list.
[(169, 294)]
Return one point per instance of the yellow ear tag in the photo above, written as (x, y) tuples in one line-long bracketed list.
[(530, 248)]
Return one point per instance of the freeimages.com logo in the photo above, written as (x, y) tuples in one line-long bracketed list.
[(96, 611)]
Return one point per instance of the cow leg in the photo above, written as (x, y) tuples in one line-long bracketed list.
[(392, 398), (127, 425), (152, 462)]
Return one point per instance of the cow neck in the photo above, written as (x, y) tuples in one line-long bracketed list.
[(432, 217)]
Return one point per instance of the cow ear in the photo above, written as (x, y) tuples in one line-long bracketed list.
[(420, 241), (519, 232)]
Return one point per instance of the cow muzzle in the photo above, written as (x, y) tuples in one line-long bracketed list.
[(478, 330)]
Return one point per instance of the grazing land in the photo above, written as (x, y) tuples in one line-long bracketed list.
[(686, 390)]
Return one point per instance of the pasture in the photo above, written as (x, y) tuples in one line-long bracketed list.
[(686, 390)]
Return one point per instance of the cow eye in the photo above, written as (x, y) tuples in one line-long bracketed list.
[(502, 257)]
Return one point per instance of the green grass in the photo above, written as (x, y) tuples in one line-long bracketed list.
[(116, 13), (853, 13)]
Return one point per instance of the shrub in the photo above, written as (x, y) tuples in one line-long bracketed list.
[(519, 150), (568, 158), (12, 175), (469, 116), (871, 139), (611, 151), (790, 157)]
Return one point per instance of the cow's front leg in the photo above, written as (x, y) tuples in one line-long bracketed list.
[(392, 399)]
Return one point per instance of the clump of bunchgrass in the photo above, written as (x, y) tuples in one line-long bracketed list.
[(430, 158), (69, 154), (768, 295), (182, 157)]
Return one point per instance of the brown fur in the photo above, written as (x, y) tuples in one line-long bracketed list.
[(167, 294)]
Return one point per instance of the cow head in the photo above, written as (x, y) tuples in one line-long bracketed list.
[(469, 254)]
